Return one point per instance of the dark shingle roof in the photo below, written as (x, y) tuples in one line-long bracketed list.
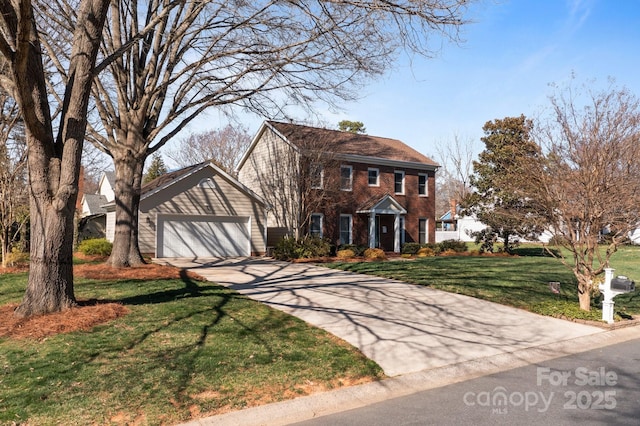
[(95, 203), (347, 143), (111, 178), (168, 177)]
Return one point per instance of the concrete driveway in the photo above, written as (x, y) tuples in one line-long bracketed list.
[(403, 327)]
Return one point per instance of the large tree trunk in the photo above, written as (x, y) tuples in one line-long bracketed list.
[(54, 164), (126, 250), (50, 287)]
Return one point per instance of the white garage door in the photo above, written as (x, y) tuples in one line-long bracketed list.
[(203, 236)]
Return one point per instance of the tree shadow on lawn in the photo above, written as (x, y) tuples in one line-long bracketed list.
[(92, 312)]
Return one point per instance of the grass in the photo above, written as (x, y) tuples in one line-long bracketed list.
[(186, 349), (519, 281)]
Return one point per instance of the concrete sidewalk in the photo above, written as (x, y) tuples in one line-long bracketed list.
[(405, 328)]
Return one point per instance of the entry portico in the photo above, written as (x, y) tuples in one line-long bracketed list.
[(381, 210)]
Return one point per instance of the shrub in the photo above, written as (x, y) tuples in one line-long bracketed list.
[(17, 257), (357, 250), (345, 254), (453, 245), (410, 248), (306, 248), (95, 247), (374, 254), (486, 238), (425, 252)]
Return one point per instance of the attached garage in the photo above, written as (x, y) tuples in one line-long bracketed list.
[(203, 236), (199, 211)]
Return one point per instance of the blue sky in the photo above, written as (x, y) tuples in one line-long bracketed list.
[(513, 51)]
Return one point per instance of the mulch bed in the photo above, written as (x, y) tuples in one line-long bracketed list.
[(87, 314)]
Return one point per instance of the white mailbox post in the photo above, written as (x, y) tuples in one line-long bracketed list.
[(610, 289)]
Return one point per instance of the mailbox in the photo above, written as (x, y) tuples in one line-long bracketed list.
[(622, 284)]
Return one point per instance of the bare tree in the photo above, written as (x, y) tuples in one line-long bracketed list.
[(587, 184), (296, 179), (456, 160), (94, 164), (223, 146), (53, 158), (262, 56), (14, 204)]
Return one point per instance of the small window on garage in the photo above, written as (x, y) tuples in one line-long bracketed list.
[(207, 183)]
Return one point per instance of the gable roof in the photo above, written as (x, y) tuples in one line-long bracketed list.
[(167, 178), (94, 203), (170, 178), (352, 146), (382, 205)]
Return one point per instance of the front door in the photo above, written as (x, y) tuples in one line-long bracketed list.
[(386, 233)]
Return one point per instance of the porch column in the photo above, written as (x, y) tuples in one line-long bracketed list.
[(396, 231), (372, 230)]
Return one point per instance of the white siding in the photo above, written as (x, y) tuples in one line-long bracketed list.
[(110, 226), (271, 172)]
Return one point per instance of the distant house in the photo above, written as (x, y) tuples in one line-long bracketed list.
[(93, 214), (348, 188), (454, 226), (197, 211)]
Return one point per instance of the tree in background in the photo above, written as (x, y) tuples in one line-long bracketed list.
[(53, 156), (94, 164), (454, 174), (586, 186), (494, 201), (14, 202), (352, 126), (223, 146), (156, 168)]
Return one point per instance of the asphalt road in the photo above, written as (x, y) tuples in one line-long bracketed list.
[(597, 387)]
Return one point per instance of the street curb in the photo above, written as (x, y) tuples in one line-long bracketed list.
[(321, 404)]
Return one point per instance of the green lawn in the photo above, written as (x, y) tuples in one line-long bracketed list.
[(186, 347), (519, 281)]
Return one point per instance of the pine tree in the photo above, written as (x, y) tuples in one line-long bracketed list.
[(156, 168)]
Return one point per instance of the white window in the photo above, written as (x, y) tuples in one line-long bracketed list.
[(423, 189), (398, 182), (422, 231), (346, 229), (315, 227), (316, 175), (346, 178), (374, 177)]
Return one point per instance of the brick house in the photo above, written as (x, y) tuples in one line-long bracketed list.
[(349, 188)]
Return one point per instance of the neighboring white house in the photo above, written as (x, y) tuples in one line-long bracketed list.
[(461, 228), (458, 227)]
